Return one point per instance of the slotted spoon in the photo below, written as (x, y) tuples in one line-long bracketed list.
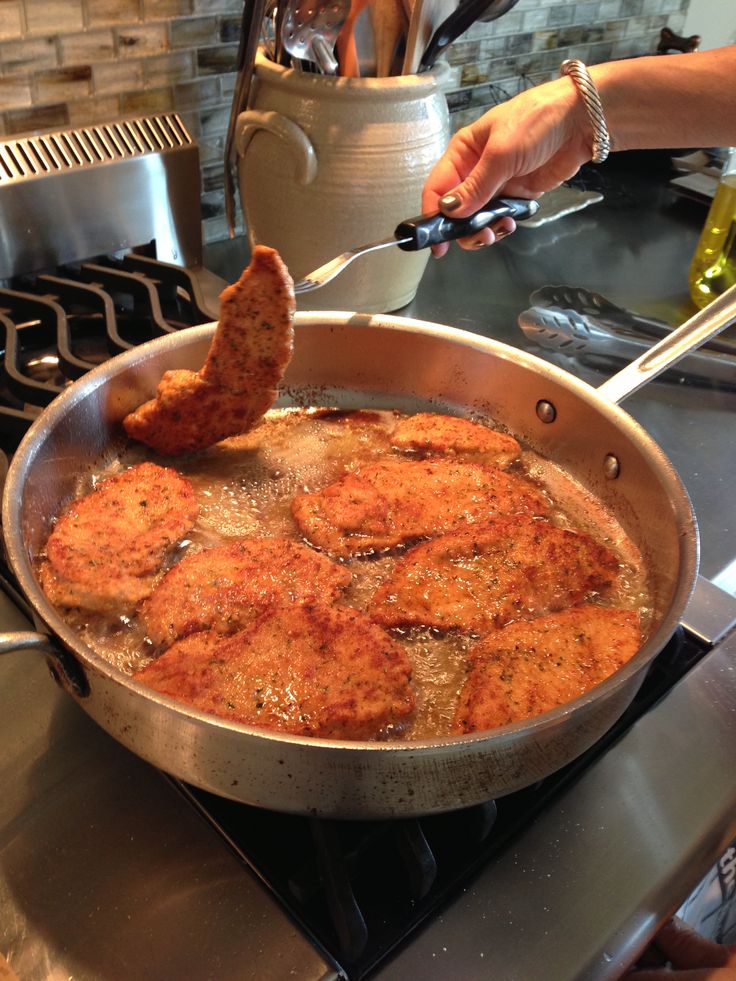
[(310, 30)]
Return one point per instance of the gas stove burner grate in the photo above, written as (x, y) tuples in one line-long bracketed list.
[(56, 326)]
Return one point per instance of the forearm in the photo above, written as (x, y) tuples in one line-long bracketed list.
[(670, 100), (540, 138)]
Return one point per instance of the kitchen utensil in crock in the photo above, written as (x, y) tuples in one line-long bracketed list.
[(426, 16), (363, 46), (250, 28), (389, 24), (458, 22), (347, 51), (310, 30), (421, 232), (355, 360)]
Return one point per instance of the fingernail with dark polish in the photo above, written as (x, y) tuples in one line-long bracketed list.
[(479, 244), (450, 202)]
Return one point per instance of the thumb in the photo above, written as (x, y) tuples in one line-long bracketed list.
[(464, 200), (482, 183)]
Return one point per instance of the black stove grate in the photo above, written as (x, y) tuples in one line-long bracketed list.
[(56, 326), (360, 889)]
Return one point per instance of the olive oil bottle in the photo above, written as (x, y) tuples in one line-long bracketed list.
[(713, 266)]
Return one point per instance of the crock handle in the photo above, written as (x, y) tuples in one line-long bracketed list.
[(64, 666), (297, 141), (695, 332)]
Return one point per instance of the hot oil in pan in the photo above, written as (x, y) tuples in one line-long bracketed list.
[(245, 486)]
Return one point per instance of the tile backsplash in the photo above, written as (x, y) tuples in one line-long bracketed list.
[(80, 62)]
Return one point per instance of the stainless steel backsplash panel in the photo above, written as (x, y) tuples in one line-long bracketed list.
[(75, 193)]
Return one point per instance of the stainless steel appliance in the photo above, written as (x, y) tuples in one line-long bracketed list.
[(107, 868)]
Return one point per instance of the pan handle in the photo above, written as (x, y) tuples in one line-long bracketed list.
[(706, 323), (65, 668), (23, 639)]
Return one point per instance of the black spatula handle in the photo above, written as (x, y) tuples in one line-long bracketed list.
[(426, 230)]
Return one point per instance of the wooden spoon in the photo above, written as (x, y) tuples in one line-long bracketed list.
[(426, 17), (390, 26), (347, 54)]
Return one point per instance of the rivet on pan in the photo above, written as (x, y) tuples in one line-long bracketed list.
[(546, 411), (611, 467)]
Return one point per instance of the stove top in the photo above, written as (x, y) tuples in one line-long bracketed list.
[(356, 899)]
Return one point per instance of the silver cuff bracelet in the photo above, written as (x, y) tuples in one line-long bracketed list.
[(589, 94)]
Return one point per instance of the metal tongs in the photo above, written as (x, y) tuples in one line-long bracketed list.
[(578, 322), (422, 232)]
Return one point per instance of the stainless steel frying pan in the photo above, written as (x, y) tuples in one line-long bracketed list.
[(353, 361)]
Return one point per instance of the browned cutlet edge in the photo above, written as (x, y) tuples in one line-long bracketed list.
[(108, 547), (308, 669), (226, 587), (382, 505), (530, 667), (514, 566), (427, 432), (238, 383)]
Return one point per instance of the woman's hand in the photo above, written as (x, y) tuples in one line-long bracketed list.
[(690, 957), (521, 148), (539, 139)]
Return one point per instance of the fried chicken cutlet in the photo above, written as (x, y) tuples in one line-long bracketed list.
[(532, 666), (107, 549), (237, 385), (428, 432), (226, 587), (483, 576), (382, 505), (312, 670)]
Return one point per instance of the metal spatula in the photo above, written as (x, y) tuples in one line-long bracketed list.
[(422, 232)]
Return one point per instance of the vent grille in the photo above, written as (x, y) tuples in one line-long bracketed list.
[(72, 149)]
